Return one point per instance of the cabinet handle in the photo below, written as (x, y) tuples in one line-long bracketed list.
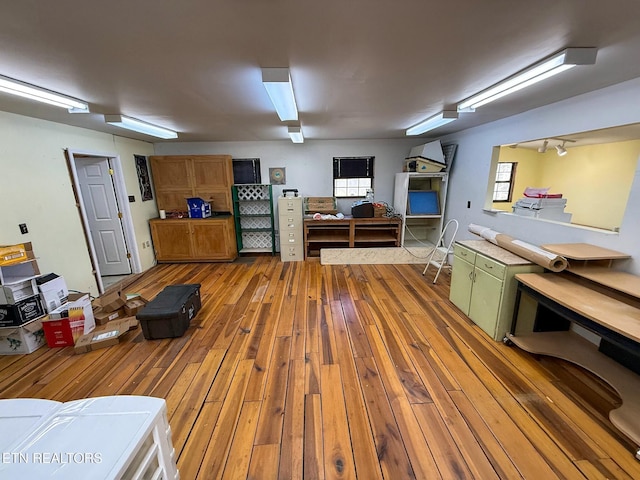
[(488, 266), (471, 276)]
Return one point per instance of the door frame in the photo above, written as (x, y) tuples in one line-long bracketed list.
[(120, 190)]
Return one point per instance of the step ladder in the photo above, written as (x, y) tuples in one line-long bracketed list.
[(440, 248)]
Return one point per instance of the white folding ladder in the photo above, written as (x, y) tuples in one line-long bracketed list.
[(438, 248)]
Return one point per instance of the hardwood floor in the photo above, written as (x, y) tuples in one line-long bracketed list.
[(299, 370)]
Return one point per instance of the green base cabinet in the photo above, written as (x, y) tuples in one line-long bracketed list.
[(483, 284)]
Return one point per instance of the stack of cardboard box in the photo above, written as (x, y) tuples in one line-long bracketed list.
[(36, 309), (21, 309), (114, 312)]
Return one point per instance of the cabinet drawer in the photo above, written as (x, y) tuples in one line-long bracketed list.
[(291, 238), (288, 226), (291, 252), (290, 217), (464, 253), (490, 266), (288, 206)]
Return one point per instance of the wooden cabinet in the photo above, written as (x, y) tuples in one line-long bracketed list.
[(351, 232), (178, 177), (420, 199), (483, 284), (194, 240)]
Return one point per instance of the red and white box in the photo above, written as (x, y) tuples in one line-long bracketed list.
[(67, 323)]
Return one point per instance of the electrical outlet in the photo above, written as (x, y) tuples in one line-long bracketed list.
[(148, 244), (469, 204), (23, 228), (144, 245)]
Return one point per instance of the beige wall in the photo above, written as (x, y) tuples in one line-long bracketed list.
[(36, 190), (596, 179)]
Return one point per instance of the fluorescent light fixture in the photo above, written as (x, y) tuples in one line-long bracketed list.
[(432, 122), (25, 90), (296, 134), (277, 81), (555, 64), (139, 126)]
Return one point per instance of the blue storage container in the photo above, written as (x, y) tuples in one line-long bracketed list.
[(198, 208)]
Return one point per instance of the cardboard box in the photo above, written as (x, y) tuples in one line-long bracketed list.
[(26, 338), (53, 291), (21, 312), (62, 328), (110, 302), (102, 317), (105, 337), (12, 294), (133, 305), (10, 254), (320, 205)]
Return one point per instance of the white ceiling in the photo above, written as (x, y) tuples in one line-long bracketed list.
[(360, 68)]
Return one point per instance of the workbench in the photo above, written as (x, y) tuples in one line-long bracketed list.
[(606, 302)]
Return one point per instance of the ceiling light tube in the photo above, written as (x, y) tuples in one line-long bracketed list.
[(555, 64), (139, 126), (25, 90), (277, 81), (296, 134), (432, 123)]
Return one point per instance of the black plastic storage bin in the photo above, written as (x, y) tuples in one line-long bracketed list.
[(168, 315)]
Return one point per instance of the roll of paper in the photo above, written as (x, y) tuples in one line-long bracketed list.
[(534, 254)]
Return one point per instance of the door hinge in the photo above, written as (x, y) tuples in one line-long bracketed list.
[(128, 255), (111, 171), (120, 215)]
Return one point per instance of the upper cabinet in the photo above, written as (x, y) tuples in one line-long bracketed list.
[(178, 177)]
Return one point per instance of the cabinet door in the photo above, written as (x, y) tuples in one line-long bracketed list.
[(213, 177), (213, 240), (172, 181), (486, 298), (171, 240), (461, 284)]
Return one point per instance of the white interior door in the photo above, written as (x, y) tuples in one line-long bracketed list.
[(103, 216)]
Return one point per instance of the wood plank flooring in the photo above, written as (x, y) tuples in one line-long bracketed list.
[(308, 371)]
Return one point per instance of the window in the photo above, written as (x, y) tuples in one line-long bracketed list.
[(505, 175), (246, 170), (352, 176)]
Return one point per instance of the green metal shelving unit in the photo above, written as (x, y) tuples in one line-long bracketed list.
[(253, 212)]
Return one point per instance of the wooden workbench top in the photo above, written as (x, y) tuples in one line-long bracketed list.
[(598, 307), (584, 251)]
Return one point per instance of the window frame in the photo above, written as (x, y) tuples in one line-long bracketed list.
[(365, 175), (511, 182), (255, 163)]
